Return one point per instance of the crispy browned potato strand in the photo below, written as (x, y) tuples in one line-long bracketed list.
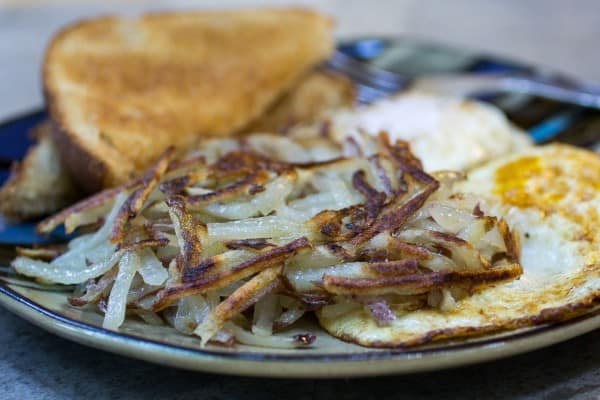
[(249, 234)]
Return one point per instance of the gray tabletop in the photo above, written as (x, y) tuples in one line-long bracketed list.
[(37, 365)]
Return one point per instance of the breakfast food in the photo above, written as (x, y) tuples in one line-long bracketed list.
[(551, 196), (281, 227), (122, 90), (310, 100), (444, 132), (39, 184)]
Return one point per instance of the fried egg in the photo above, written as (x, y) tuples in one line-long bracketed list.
[(551, 196), (444, 132)]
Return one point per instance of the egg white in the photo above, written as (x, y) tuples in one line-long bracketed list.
[(444, 132)]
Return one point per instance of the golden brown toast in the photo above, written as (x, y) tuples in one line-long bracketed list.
[(316, 95), (39, 184), (123, 90)]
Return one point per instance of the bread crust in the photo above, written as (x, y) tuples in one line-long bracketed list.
[(87, 171)]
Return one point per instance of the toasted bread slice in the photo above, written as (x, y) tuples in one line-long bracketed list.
[(317, 94), (122, 90), (39, 184)]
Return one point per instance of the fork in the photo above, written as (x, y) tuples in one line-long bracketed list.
[(375, 83)]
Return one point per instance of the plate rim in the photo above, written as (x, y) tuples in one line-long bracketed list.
[(333, 365)]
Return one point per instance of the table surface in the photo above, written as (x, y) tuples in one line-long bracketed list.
[(37, 365)]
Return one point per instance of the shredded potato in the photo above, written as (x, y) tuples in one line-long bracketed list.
[(117, 301), (245, 236), (151, 269)]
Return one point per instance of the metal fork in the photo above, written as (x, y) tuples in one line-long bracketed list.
[(374, 83)]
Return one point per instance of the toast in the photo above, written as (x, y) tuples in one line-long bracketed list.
[(316, 95), (121, 91), (39, 184)]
